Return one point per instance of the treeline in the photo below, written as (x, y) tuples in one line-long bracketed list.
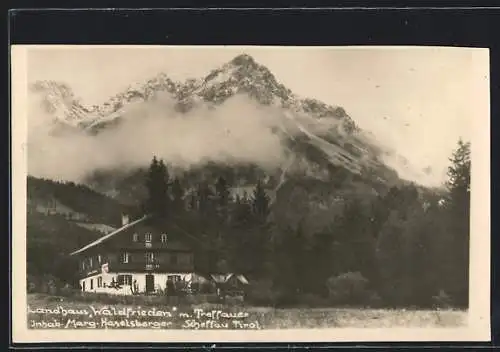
[(402, 248), (50, 240), (80, 198)]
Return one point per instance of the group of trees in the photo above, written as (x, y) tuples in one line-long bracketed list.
[(408, 245), (232, 230), (77, 197)]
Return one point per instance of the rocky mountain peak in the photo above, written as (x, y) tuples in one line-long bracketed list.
[(241, 75), (243, 60), (244, 75), (58, 99)]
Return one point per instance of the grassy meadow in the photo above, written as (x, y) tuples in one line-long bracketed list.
[(46, 311)]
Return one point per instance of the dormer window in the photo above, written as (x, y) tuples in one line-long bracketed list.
[(148, 237), (135, 237), (163, 238)]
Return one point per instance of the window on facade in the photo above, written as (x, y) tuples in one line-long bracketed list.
[(83, 285), (99, 259), (124, 257), (83, 265), (148, 237), (91, 284), (135, 237), (90, 262), (174, 278), (164, 238), (99, 281), (124, 279), (150, 257)]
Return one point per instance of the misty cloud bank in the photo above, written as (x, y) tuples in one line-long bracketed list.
[(236, 131)]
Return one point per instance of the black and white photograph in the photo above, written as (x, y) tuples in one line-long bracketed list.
[(170, 193)]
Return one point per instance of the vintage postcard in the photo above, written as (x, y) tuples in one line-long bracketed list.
[(245, 194)]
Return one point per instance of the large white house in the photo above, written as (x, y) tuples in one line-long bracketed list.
[(142, 257)]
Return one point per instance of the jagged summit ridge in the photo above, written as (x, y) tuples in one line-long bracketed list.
[(244, 75), (241, 75), (58, 100)]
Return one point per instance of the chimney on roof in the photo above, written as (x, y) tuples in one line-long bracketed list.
[(125, 219)]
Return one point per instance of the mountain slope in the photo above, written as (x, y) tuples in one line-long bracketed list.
[(61, 218), (73, 202), (313, 142), (59, 101)]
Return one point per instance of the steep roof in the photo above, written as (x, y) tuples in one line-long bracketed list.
[(129, 225), (223, 278), (112, 234)]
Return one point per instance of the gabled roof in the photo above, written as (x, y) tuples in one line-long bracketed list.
[(112, 234), (220, 278), (242, 279), (129, 225), (223, 278)]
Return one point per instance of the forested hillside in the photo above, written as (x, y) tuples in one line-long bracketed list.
[(404, 247), (77, 198), (57, 214)]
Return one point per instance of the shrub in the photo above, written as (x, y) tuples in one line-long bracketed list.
[(285, 299), (234, 300), (31, 284), (374, 300), (48, 284), (311, 300), (196, 299), (68, 291), (206, 287), (261, 293), (348, 288), (441, 300)]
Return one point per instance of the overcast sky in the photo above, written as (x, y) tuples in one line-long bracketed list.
[(416, 100)]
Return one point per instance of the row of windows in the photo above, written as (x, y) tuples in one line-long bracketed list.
[(148, 237), (99, 283), (150, 258), (124, 279), (90, 261), (125, 257)]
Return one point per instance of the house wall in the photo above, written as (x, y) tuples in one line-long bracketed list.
[(160, 282), (172, 255)]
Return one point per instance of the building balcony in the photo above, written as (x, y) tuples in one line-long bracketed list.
[(143, 266), (152, 266)]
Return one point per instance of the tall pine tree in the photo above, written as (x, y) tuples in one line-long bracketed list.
[(178, 206), (260, 204), (458, 219), (157, 186), (222, 199)]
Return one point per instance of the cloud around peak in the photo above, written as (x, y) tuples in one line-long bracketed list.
[(237, 131)]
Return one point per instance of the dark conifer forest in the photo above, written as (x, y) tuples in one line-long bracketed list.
[(404, 247)]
